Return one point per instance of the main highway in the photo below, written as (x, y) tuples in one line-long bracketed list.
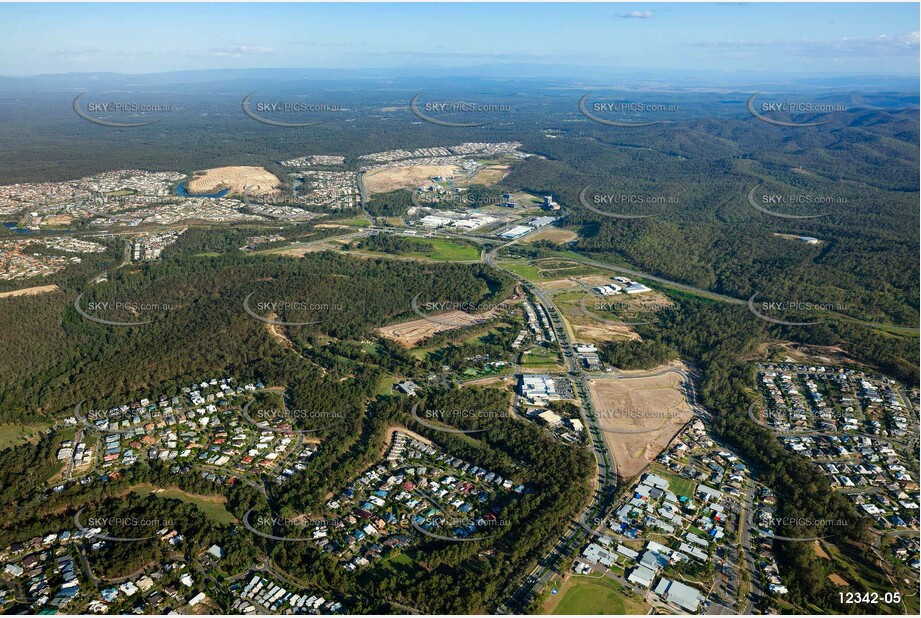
[(606, 483)]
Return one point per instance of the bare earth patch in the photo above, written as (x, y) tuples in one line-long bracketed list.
[(553, 234), (597, 333), (405, 176), (388, 437), (277, 331), (239, 179), (820, 552), (410, 333), (641, 402), (490, 174), (39, 289), (558, 285)]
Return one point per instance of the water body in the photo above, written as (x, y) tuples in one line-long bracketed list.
[(182, 191), (12, 226)]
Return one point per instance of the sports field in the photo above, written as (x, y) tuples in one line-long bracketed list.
[(593, 595)]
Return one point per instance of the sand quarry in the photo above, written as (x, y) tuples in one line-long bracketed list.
[(649, 402), (239, 179)]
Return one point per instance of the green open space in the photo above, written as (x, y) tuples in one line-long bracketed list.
[(594, 595), (14, 434), (385, 386), (678, 485), (446, 250), (539, 357), (212, 506), (354, 221)]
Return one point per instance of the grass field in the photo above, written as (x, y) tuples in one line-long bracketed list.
[(594, 595), (212, 506), (547, 269), (385, 386), (523, 269), (355, 221), (446, 250), (539, 358), (14, 434), (678, 485)]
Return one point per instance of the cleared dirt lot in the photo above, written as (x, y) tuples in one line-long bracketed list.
[(552, 234), (392, 429), (557, 285), (405, 176), (593, 332), (238, 178), (489, 175), (409, 334), (39, 289), (639, 414)]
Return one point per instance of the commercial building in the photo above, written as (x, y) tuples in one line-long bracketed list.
[(636, 288), (515, 232), (537, 387), (683, 596)]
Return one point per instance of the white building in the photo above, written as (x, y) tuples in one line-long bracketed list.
[(683, 596), (515, 232), (537, 387), (636, 288)]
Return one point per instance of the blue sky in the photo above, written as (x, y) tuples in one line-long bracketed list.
[(817, 38)]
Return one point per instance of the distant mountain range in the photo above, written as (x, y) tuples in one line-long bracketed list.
[(576, 76)]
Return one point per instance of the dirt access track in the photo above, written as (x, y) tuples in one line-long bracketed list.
[(239, 179), (639, 413)]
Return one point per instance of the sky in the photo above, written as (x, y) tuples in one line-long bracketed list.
[(783, 38)]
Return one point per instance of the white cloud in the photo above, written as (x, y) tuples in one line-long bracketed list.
[(238, 51), (636, 15), (882, 45)]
